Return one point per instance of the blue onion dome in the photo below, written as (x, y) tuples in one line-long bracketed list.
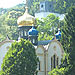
[(32, 31), (58, 34)]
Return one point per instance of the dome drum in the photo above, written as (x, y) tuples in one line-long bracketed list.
[(26, 29)]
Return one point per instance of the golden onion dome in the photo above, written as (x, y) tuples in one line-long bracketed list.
[(26, 19)]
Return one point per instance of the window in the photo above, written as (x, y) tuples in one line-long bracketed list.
[(54, 61), (57, 61), (21, 33), (25, 33), (41, 6), (51, 63), (38, 65), (33, 40)]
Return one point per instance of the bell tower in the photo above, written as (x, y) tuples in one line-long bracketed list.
[(47, 6), (25, 22)]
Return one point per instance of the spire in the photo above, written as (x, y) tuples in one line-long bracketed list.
[(26, 9)]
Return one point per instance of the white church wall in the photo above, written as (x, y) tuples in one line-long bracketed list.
[(40, 55), (39, 50), (54, 49), (3, 50), (45, 14), (41, 15)]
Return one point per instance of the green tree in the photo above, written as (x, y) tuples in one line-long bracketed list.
[(11, 22), (62, 6), (47, 26), (57, 71), (21, 59), (68, 41)]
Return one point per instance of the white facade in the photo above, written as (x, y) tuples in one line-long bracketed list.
[(40, 54), (46, 53), (41, 15)]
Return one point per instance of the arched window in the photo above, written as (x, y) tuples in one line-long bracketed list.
[(51, 63), (42, 6), (21, 33), (38, 65), (57, 61), (54, 61), (25, 33), (33, 40)]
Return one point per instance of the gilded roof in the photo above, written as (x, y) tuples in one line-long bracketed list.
[(26, 19)]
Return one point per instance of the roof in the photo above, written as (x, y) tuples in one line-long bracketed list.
[(32, 31), (58, 35), (45, 42), (26, 19)]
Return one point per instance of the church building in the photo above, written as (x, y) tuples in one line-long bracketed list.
[(49, 52), (47, 7)]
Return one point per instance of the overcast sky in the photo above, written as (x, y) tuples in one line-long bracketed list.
[(10, 3)]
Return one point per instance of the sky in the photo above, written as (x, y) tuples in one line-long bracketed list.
[(10, 3)]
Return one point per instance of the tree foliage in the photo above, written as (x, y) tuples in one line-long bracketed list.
[(21, 59), (8, 21), (68, 41), (47, 27), (60, 6), (57, 71)]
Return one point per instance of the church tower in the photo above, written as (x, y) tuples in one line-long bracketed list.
[(47, 6), (25, 23)]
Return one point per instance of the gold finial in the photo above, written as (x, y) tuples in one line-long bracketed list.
[(26, 9)]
